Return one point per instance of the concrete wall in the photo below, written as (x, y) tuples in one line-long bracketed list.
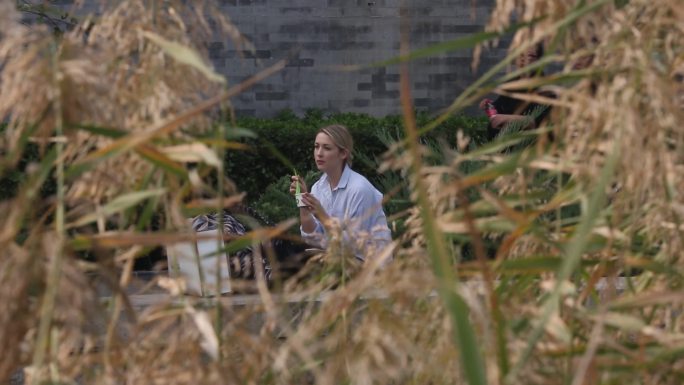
[(326, 33)]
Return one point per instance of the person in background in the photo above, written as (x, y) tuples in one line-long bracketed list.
[(343, 196), (509, 109)]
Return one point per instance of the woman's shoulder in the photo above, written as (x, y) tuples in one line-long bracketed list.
[(318, 183), (360, 184)]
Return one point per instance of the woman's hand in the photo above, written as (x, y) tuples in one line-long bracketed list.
[(314, 205), (483, 103), (302, 185)]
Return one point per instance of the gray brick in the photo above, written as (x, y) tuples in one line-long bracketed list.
[(263, 86), (338, 3), (257, 54), (462, 29), (426, 28), (216, 45), (449, 61), (364, 86), (384, 94), (415, 11), (300, 63), (360, 102), (218, 54), (297, 10), (241, 112), (422, 102), (392, 78), (271, 96)]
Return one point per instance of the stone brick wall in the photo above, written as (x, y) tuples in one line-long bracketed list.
[(320, 34), (326, 33)]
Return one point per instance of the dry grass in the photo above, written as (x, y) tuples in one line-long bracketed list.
[(534, 310)]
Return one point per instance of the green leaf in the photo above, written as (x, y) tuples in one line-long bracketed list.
[(297, 188), (185, 55), (464, 335), (147, 152), (162, 161), (274, 150), (119, 204), (536, 264), (192, 152), (622, 321), (503, 142), (641, 300), (237, 132), (573, 254), (101, 131)]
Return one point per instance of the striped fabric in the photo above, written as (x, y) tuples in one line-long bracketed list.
[(241, 262)]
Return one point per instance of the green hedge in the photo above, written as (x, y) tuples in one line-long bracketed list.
[(254, 170), (278, 144)]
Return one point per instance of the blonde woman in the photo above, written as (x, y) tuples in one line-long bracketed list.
[(341, 195)]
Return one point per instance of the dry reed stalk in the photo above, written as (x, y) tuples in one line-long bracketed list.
[(371, 325)]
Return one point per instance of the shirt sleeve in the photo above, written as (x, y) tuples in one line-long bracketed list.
[(368, 224), (317, 236)]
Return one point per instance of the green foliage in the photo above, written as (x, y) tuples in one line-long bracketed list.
[(255, 169), (277, 204), (11, 178), (521, 125)]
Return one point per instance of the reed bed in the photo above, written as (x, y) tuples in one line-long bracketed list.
[(584, 287)]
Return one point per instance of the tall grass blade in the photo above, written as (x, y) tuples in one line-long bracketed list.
[(464, 336), (572, 258), (185, 55), (192, 153), (54, 273), (117, 205), (132, 140)]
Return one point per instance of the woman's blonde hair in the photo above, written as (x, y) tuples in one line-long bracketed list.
[(342, 138)]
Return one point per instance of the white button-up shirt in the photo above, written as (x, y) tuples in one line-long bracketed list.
[(357, 207)]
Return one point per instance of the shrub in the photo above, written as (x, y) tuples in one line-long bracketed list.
[(276, 203), (285, 142)]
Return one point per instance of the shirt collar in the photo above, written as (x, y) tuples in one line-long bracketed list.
[(344, 179)]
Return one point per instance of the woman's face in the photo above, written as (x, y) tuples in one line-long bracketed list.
[(327, 155)]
